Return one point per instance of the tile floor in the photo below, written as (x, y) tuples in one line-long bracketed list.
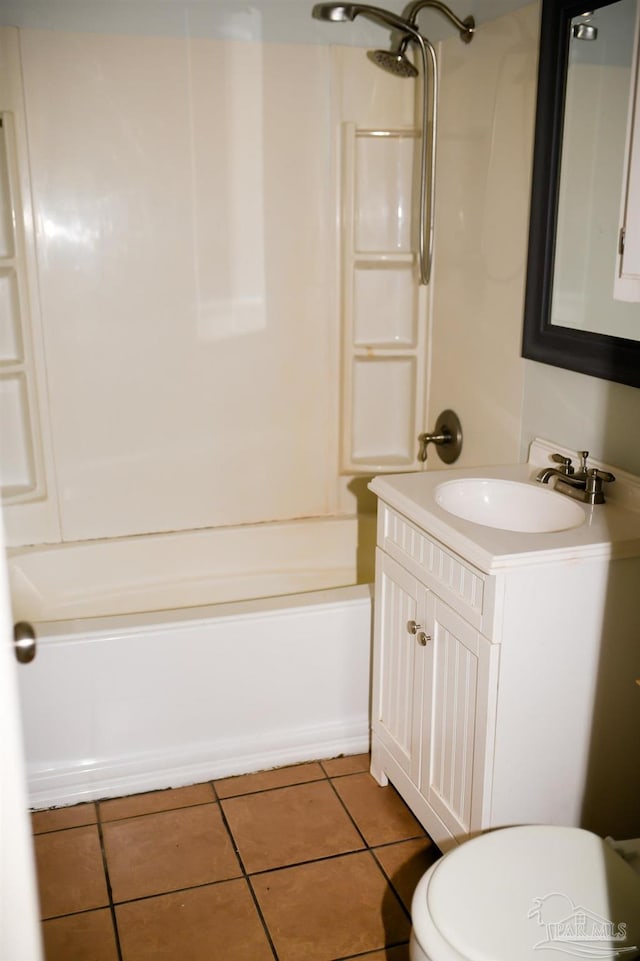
[(314, 862)]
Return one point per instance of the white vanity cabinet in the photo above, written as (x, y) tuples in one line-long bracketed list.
[(434, 678), (490, 704)]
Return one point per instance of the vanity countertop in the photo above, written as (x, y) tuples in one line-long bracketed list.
[(610, 530)]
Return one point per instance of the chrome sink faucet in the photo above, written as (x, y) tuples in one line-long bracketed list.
[(585, 484)]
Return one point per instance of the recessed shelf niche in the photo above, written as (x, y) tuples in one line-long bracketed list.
[(20, 460), (384, 343)]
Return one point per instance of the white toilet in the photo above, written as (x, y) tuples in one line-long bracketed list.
[(533, 893)]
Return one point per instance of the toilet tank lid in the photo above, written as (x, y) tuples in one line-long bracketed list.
[(526, 892)]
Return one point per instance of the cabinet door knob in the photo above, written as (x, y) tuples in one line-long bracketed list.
[(421, 637)]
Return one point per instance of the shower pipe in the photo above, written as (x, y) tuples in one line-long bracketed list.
[(397, 63)]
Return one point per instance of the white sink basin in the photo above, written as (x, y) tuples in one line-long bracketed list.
[(509, 505)]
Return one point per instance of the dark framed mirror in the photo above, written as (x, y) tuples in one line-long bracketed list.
[(547, 337)]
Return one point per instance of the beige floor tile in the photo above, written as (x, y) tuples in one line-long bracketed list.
[(399, 953), (171, 849), (57, 819), (80, 937), (353, 764), (168, 850), (379, 812), (330, 909), (266, 780), (290, 825), (405, 863), (70, 871), (135, 804), (218, 922)]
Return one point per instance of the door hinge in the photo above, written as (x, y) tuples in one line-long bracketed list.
[(621, 242)]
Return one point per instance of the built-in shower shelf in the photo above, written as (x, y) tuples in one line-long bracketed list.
[(21, 470), (384, 346), (381, 258), (18, 491)]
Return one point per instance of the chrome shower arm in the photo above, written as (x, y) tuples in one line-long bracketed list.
[(466, 27)]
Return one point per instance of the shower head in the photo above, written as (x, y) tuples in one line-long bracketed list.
[(342, 12), (394, 61), (338, 13)]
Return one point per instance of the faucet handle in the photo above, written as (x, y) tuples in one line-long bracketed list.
[(565, 463), (595, 480), (601, 475)]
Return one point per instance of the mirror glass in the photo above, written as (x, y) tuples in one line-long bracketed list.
[(591, 174), (573, 316)]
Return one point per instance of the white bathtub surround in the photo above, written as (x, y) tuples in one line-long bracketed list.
[(185, 568), (183, 276), (183, 198), (118, 705)]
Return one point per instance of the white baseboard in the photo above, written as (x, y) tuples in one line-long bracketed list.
[(118, 777)]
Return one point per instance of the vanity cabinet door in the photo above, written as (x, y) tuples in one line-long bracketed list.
[(460, 682), (398, 666)]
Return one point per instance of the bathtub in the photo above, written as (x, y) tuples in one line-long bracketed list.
[(177, 658)]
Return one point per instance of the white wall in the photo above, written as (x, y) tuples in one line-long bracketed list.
[(504, 402), (582, 413), (488, 94)]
